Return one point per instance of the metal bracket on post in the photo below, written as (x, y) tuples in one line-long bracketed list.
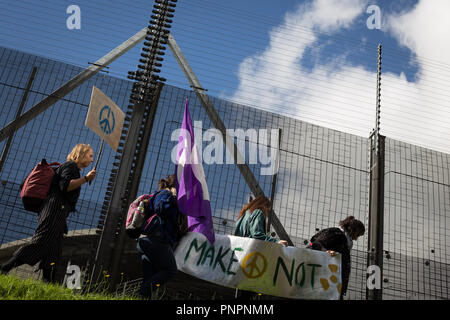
[(229, 142)]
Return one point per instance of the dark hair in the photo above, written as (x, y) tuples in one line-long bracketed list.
[(352, 226), (168, 182), (261, 202)]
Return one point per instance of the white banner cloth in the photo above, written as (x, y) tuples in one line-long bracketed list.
[(261, 266)]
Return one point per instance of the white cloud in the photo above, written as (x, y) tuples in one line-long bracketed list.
[(329, 15), (424, 29), (340, 96)]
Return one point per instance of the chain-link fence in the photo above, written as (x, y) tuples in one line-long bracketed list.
[(322, 177)]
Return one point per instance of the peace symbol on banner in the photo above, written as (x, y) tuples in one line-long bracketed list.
[(254, 265)]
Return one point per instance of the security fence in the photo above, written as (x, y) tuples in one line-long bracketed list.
[(323, 174)]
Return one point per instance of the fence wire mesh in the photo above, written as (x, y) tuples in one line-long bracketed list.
[(322, 177)]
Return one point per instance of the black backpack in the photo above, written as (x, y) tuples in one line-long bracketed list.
[(156, 213)]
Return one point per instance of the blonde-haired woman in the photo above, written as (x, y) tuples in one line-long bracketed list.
[(45, 245)]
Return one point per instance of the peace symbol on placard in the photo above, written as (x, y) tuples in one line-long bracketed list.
[(254, 265), (107, 120)]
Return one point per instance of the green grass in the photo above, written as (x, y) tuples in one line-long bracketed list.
[(14, 288)]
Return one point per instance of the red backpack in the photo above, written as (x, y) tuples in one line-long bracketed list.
[(35, 188)]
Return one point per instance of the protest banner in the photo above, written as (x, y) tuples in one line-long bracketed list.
[(261, 266)]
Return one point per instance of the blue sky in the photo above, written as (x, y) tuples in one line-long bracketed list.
[(314, 60), (41, 28), (213, 26)]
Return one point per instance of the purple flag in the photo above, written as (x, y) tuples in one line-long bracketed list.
[(192, 190)]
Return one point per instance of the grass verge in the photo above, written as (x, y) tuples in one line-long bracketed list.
[(14, 288)]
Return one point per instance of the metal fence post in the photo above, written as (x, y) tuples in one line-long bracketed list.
[(376, 194)]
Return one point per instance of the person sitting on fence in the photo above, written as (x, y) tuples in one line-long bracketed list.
[(251, 221), (158, 238), (339, 240), (46, 244)]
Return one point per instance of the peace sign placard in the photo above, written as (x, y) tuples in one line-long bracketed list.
[(105, 118)]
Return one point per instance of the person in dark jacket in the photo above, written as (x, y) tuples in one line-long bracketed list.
[(339, 240), (251, 221), (46, 244), (159, 237)]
